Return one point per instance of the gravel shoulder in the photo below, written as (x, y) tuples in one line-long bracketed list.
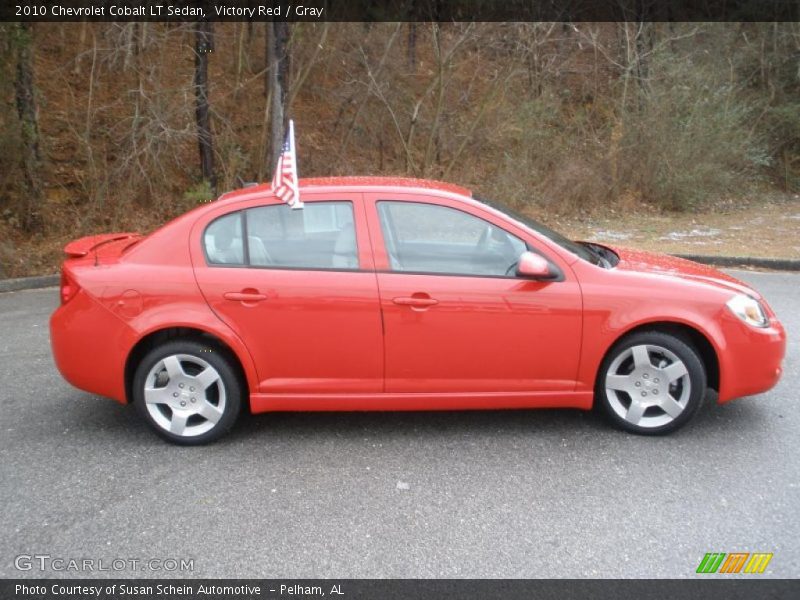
[(769, 230)]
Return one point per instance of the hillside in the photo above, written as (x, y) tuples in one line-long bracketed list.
[(582, 124)]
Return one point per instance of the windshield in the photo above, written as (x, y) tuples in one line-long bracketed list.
[(577, 249)]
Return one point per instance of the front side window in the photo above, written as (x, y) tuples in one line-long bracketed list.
[(427, 238), (321, 235), (582, 250)]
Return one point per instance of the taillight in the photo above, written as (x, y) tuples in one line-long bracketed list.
[(68, 288)]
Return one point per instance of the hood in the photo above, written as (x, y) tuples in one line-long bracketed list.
[(664, 264)]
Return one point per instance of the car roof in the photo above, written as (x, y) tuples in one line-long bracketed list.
[(353, 183)]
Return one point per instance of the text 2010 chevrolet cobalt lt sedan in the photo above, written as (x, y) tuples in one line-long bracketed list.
[(398, 294)]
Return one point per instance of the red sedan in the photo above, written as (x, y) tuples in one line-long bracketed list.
[(398, 294)]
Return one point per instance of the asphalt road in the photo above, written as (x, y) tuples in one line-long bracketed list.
[(483, 494)]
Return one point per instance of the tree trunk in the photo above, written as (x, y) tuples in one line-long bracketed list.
[(645, 42), (278, 63), (412, 46), (30, 218), (204, 44)]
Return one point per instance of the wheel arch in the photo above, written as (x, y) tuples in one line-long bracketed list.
[(159, 336), (699, 340)]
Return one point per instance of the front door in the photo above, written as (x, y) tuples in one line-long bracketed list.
[(456, 317), (297, 286)]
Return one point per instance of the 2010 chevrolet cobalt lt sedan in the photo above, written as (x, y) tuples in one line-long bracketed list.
[(398, 294)]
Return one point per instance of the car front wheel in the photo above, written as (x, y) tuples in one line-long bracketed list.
[(187, 391), (651, 383)]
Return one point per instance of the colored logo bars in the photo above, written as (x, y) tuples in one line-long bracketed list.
[(736, 562)]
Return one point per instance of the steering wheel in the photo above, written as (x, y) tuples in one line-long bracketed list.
[(512, 268)]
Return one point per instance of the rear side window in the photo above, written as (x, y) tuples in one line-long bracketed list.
[(319, 236), (223, 241)]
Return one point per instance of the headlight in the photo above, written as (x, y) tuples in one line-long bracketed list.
[(748, 310)]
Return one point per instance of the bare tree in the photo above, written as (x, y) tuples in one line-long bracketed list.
[(374, 73), (412, 46), (27, 112), (204, 44), (434, 93), (277, 41), (304, 68)]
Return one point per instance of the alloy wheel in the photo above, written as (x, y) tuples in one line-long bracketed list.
[(648, 385), (184, 395)]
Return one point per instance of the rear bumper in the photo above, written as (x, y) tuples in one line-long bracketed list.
[(751, 361), (90, 346)]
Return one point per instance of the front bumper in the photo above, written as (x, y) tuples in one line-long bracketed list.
[(751, 361)]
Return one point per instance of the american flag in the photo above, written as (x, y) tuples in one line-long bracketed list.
[(284, 181)]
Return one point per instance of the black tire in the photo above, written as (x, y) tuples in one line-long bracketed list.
[(220, 401), (626, 385)]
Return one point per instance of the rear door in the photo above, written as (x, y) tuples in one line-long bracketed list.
[(300, 292), (456, 317)]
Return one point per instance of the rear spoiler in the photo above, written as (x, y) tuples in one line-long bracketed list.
[(84, 245)]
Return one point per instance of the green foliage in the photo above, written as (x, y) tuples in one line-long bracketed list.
[(550, 157), (693, 140), (197, 194), (687, 133), (782, 124)]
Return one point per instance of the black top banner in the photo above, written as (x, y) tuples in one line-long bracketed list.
[(399, 589), (400, 10)]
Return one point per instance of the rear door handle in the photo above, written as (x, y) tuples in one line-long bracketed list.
[(414, 301), (244, 296)]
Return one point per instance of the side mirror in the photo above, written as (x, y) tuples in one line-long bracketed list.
[(534, 266)]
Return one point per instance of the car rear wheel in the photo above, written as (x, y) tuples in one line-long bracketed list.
[(651, 383), (187, 391)]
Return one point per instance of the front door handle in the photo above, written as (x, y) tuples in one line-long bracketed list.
[(244, 296), (415, 301)]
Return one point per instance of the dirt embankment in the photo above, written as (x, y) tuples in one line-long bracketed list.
[(769, 230)]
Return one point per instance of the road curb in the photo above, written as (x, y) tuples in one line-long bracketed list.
[(778, 264), (28, 283)]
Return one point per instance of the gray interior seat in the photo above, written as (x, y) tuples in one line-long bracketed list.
[(258, 253), (229, 254), (345, 250)]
